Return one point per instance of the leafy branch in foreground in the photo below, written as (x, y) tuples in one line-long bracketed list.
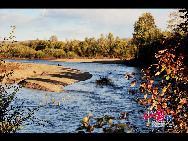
[(106, 124), (12, 117), (170, 94)]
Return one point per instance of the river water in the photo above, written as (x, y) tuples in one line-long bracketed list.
[(85, 97)]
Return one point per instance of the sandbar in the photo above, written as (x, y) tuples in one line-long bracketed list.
[(41, 76)]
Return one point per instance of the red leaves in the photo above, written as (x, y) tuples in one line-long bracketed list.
[(148, 71), (181, 57)]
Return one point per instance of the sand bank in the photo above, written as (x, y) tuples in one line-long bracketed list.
[(43, 77)]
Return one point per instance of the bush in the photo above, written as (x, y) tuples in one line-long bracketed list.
[(22, 51), (71, 54), (57, 53), (40, 54)]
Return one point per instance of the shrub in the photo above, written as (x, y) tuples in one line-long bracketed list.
[(71, 54), (40, 54), (104, 81), (57, 53), (21, 51)]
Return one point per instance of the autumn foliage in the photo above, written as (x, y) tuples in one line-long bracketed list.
[(170, 94)]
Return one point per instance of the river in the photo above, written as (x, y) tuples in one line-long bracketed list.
[(85, 97)]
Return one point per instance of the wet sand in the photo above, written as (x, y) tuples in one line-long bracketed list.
[(43, 77)]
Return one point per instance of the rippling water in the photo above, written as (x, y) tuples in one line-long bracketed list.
[(85, 97)]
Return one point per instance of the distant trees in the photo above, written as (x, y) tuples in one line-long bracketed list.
[(105, 46)]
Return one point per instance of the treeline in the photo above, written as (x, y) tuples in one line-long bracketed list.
[(105, 46)]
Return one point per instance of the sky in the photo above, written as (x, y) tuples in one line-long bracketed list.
[(74, 23)]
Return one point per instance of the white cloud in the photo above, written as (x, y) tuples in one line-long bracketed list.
[(95, 17)]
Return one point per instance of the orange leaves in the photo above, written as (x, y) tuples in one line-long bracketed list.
[(164, 90), (168, 110), (168, 71), (124, 115), (164, 105), (149, 101), (129, 76), (149, 86), (183, 100), (151, 81), (171, 94), (155, 91), (143, 85), (143, 102), (133, 83), (181, 57)]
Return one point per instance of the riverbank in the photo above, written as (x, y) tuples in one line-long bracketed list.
[(103, 61), (41, 76), (129, 61)]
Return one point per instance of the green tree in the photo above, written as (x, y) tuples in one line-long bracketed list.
[(145, 32)]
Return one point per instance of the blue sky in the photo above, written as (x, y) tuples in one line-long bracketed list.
[(74, 23)]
